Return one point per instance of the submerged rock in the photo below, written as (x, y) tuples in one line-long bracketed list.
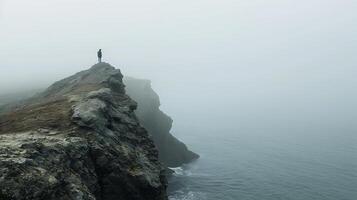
[(80, 139)]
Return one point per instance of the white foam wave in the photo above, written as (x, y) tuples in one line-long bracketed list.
[(188, 196), (180, 171)]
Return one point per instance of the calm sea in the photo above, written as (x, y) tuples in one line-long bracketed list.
[(267, 163)]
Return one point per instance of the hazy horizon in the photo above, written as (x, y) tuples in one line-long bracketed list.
[(275, 42), (243, 50), (264, 91), (283, 56)]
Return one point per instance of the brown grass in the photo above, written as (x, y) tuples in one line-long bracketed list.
[(51, 115)]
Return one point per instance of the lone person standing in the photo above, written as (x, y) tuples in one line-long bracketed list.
[(99, 54)]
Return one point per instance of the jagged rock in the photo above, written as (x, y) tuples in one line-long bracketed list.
[(36, 166), (172, 152), (80, 139)]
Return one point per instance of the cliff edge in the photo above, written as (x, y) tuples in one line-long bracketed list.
[(80, 139), (172, 152)]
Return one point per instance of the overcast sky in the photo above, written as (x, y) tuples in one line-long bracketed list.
[(229, 52)]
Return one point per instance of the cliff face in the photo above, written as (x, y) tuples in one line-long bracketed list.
[(172, 152), (80, 139)]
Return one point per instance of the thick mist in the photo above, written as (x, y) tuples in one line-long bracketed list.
[(282, 62), (264, 91)]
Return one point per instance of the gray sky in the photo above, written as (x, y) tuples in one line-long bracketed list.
[(226, 53)]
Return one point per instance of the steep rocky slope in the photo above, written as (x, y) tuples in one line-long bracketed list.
[(80, 139), (172, 152)]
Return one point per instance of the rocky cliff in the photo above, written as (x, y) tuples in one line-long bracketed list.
[(172, 152), (80, 139)]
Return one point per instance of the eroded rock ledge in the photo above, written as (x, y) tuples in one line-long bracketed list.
[(80, 139), (172, 152)]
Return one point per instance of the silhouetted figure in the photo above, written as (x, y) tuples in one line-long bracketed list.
[(99, 54)]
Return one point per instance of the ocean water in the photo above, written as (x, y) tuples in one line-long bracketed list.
[(266, 133), (267, 163)]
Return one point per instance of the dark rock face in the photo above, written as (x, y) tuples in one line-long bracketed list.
[(172, 152), (80, 139)]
